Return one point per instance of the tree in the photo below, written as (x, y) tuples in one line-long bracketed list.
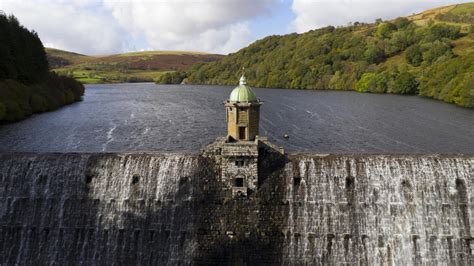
[(374, 54), (382, 82), (442, 30), (384, 30), (402, 22), (414, 55), (337, 82), (26, 85), (400, 41), (363, 58), (366, 83), (434, 50), (405, 83)]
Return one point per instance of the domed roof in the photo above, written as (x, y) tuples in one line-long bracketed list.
[(243, 93)]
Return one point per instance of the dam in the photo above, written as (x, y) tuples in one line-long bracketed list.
[(240, 201), (166, 209)]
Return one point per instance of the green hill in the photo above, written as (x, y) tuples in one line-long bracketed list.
[(127, 67), (430, 54)]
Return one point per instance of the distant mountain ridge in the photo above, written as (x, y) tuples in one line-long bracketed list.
[(126, 67), (430, 54)]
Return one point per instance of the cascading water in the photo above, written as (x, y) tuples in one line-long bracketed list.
[(95, 209), (373, 210), (167, 209)]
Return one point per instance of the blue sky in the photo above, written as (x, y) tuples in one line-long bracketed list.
[(217, 26), (276, 22)]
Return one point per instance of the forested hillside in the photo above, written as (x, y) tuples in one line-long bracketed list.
[(26, 85), (430, 54)]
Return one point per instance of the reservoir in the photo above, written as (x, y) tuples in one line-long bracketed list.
[(239, 201), (149, 117)]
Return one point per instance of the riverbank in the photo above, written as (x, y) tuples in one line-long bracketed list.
[(18, 100)]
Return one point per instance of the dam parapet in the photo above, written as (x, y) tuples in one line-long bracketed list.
[(174, 209)]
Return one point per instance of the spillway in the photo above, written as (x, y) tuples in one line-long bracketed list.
[(169, 208)]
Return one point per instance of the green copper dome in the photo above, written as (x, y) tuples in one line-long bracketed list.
[(243, 93)]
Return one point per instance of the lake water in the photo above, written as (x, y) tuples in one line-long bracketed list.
[(149, 117)]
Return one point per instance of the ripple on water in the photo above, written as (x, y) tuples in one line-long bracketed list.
[(149, 117)]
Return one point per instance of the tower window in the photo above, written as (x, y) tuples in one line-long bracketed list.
[(239, 163), (241, 132), (239, 182)]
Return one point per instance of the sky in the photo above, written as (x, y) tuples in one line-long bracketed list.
[(99, 27)]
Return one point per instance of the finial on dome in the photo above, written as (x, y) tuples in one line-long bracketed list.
[(243, 80)]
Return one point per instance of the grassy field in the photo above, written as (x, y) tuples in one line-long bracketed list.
[(128, 67), (438, 14), (463, 9)]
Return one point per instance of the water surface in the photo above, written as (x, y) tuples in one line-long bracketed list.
[(149, 117)]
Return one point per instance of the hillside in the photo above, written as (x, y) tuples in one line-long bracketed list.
[(26, 85), (59, 58), (127, 67), (430, 54)]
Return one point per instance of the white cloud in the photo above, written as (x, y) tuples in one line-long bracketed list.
[(207, 25), (311, 14), (71, 25), (220, 26), (111, 26)]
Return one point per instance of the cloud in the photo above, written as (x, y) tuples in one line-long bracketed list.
[(78, 25), (208, 25), (311, 14)]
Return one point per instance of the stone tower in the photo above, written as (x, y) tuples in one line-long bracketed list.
[(241, 150), (243, 113)]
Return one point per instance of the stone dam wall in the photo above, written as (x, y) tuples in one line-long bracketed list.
[(168, 209)]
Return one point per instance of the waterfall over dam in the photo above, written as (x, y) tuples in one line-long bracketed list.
[(167, 209)]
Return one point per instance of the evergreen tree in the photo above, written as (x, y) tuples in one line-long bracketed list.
[(26, 85)]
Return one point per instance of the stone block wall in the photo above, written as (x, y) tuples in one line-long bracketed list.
[(163, 209)]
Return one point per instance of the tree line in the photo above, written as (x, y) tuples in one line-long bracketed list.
[(26, 84), (384, 57)]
